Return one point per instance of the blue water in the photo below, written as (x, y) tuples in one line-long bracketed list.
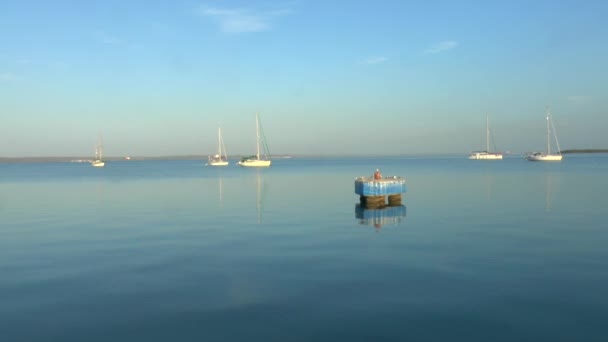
[(174, 251)]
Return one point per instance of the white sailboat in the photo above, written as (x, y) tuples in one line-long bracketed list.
[(221, 158), (260, 159), (98, 161), (541, 156), (486, 155)]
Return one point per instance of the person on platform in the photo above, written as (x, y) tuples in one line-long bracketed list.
[(377, 174)]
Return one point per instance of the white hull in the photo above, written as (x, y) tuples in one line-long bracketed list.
[(255, 163), (218, 163), (485, 156), (98, 163), (544, 157)]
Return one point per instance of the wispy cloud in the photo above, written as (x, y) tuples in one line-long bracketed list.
[(8, 76), (241, 20), (26, 63), (374, 60), (441, 47), (579, 98), (112, 40), (105, 38)]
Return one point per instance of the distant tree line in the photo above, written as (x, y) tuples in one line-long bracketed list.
[(587, 150)]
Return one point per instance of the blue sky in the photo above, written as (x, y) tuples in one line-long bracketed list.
[(327, 77)]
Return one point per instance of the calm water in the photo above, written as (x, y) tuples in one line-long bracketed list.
[(174, 251)]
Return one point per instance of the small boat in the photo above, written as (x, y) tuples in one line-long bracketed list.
[(486, 155), (221, 158), (98, 161), (548, 156), (262, 158)]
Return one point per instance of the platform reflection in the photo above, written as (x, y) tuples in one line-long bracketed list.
[(378, 217)]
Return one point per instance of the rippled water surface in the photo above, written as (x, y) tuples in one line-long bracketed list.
[(175, 251)]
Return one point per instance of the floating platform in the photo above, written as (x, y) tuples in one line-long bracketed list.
[(368, 186), (373, 191)]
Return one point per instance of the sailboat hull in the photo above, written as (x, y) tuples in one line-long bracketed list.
[(544, 157), (485, 156), (218, 163), (98, 163), (255, 163)]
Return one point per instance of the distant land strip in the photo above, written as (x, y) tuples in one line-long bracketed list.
[(586, 150)]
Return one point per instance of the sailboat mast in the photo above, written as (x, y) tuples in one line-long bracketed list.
[(548, 134), (100, 148), (559, 149), (224, 149), (487, 135), (219, 141), (257, 133)]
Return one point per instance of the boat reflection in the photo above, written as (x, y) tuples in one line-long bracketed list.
[(489, 183), (221, 191), (389, 215), (259, 194), (548, 191), (99, 191)]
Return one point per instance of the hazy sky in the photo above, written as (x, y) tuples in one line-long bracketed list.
[(327, 77)]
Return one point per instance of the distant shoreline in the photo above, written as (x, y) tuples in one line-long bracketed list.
[(587, 150)]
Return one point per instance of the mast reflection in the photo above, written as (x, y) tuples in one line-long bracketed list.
[(548, 191), (260, 194), (258, 203), (221, 191)]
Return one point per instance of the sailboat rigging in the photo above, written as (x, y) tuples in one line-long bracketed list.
[(548, 156), (262, 157), (98, 161), (486, 155), (221, 158)]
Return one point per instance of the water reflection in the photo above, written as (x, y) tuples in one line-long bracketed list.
[(99, 191), (391, 215), (259, 194), (489, 183), (548, 189), (221, 191)]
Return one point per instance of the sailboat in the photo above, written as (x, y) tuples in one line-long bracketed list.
[(486, 155), (221, 158), (98, 161), (541, 156), (260, 159)]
